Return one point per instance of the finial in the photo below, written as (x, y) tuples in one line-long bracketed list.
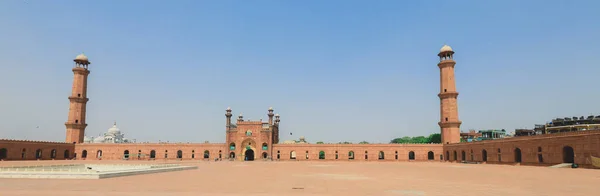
[(115, 123), (270, 108), (228, 108)]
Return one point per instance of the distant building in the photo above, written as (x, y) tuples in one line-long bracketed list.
[(470, 136), (524, 132), (567, 124), (113, 135), (491, 134)]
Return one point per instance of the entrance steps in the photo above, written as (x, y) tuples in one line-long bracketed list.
[(562, 165)]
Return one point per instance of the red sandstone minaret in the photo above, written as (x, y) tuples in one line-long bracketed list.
[(78, 100), (449, 122)]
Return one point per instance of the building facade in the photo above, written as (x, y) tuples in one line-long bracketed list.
[(257, 140)]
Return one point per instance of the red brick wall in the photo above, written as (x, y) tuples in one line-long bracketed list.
[(584, 144), (117, 151), (372, 150), (13, 150)]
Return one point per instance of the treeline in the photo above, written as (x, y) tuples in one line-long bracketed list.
[(433, 138)]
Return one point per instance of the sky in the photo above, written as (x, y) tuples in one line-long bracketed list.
[(335, 70)]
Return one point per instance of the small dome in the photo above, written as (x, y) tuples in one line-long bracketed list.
[(446, 48), (228, 108), (81, 57), (114, 129), (302, 138), (276, 114), (87, 139), (270, 108)]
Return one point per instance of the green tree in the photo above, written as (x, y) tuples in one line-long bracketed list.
[(320, 142), (364, 142), (435, 138), (345, 143)]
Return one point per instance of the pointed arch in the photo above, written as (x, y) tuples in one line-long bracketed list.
[(321, 154), (411, 155), (153, 154), (430, 155), (179, 154), (3, 153), (381, 155)]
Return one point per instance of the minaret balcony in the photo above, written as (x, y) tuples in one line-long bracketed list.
[(78, 99), (446, 63), (450, 124), (75, 125), (448, 95)]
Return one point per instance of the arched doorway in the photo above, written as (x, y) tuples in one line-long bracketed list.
[(321, 154), (126, 154), (568, 154), (463, 155), (265, 155), (484, 155), (455, 157), (232, 155), (411, 155), (351, 155), (293, 154), (24, 154), (99, 154), (249, 155), (179, 154), (67, 154), (517, 155), (84, 154), (430, 155), (3, 153), (206, 154), (153, 154), (38, 154), (447, 155), (381, 155), (53, 154)]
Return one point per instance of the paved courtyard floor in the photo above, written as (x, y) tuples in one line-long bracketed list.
[(319, 178)]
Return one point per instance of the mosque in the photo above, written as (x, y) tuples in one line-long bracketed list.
[(248, 140), (113, 135)]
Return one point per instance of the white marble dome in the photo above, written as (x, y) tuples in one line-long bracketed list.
[(87, 139), (81, 57), (446, 48), (114, 129)]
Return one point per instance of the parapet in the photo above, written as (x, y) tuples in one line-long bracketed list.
[(31, 141)]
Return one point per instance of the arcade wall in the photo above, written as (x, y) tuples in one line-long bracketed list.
[(542, 150), (34, 150), (362, 152), (143, 151)]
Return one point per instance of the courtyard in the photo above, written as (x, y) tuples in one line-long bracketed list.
[(317, 178)]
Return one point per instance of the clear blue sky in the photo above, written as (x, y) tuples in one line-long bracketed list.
[(335, 70)]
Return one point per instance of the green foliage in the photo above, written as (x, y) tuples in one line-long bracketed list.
[(433, 138), (364, 142), (345, 143), (320, 142)]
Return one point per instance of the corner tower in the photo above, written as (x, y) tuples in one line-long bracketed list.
[(77, 107), (449, 122)]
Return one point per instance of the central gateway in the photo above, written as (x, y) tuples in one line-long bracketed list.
[(248, 138)]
